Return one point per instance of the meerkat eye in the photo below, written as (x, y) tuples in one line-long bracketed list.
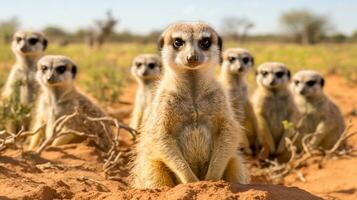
[(310, 83), (151, 65), (245, 60), (264, 73), (296, 82), (32, 41), (138, 64), (61, 69), (231, 59), (178, 42), (18, 39), (205, 43), (44, 68), (279, 74)]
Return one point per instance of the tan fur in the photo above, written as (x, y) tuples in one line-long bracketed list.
[(146, 69), (59, 97), (273, 103), (190, 134), (236, 64), (23, 70), (319, 114)]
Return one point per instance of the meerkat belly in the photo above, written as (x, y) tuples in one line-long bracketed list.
[(275, 117), (195, 143), (309, 123)]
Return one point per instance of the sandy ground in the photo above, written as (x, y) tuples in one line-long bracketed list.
[(75, 171)]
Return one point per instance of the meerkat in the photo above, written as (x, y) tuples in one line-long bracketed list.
[(146, 69), (236, 64), (273, 103), (58, 97), (319, 114), (28, 48), (190, 133)]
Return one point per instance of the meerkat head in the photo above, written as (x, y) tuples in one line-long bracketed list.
[(146, 67), (56, 71), (273, 75), (308, 83), (237, 61), (26, 43), (190, 46)]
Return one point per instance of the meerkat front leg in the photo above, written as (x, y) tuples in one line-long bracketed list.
[(172, 157), (321, 132), (236, 172), (36, 139), (136, 118), (223, 147), (264, 136)]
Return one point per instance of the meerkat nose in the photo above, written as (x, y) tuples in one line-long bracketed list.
[(192, 58)]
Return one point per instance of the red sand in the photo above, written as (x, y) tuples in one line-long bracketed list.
[(75, 171)]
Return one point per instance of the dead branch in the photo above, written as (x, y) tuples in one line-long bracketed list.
[(13, 138), (277, 171)]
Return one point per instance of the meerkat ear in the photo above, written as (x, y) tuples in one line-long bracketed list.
[(256, 72), (253, 61), (74, 71), (45, 42), (289, 75), (322, 82), (160, 43), (220, 43), (220, 46)]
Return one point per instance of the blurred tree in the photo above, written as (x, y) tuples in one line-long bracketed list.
[(354, 36), (304, 26), (57, 35), (8, 28), (104, 29), (338, 37), (236, 28)]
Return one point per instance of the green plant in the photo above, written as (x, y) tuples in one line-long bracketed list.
[(12, 110)]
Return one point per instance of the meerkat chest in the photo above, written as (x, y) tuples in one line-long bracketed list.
[(311, 115), (275, 112), (27, 85), (195, 128)]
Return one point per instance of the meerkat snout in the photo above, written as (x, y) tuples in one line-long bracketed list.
[(28, 43), (55, 71), (273, 75), (191, 49), (308, 83)]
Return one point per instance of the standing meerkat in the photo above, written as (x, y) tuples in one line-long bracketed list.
[(236, 64), (146, 69), (59, 97), (190, 134), (28, 48), (319, 114), (273, 103)]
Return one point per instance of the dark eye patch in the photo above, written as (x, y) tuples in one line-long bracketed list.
[(44, 68), (138, 64), (296, 82), (151, 65), (311, 83), (61, 69), (18, 39), (177, 43), (245, 60), (231, 59), (33, 41), (279, 74), (264, 73), (205, 43)]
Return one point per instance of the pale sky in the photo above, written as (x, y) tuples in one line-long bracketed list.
[(143, 16)]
